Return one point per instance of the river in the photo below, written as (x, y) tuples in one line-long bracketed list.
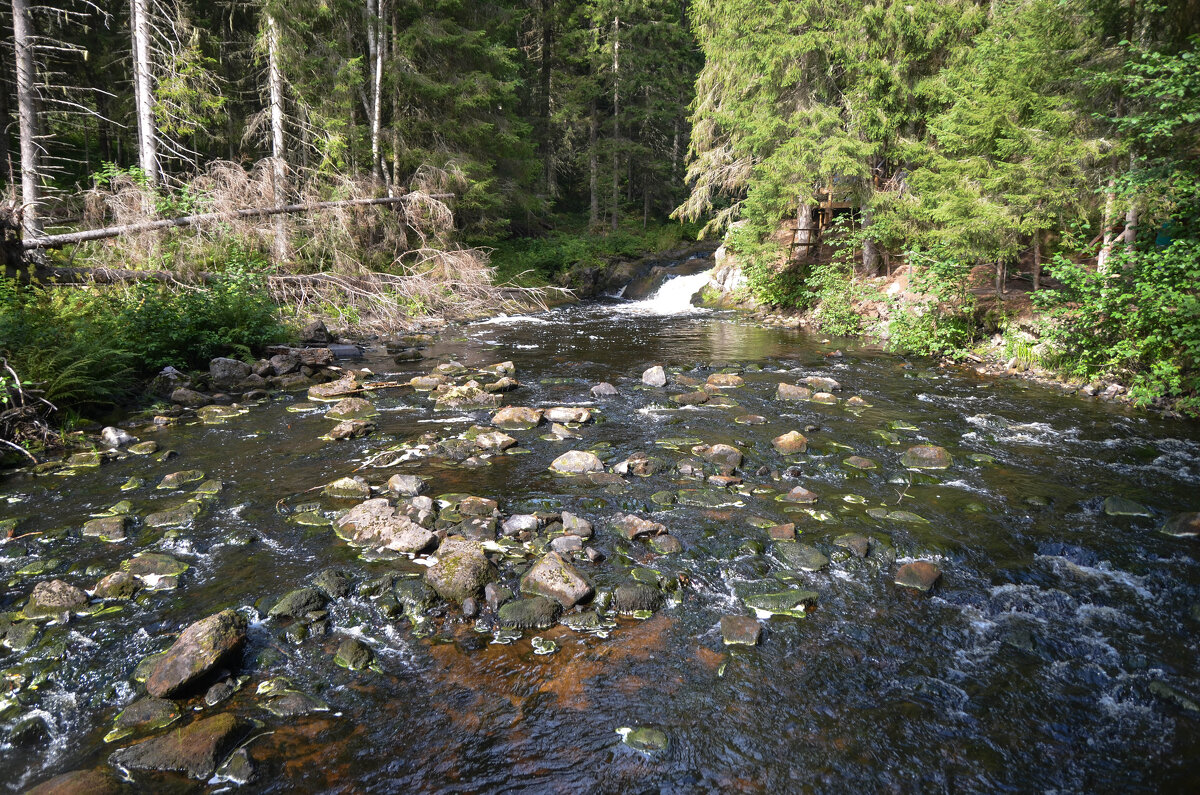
[(1057, 652)]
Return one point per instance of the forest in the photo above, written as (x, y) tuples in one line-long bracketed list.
[(1054, 144)]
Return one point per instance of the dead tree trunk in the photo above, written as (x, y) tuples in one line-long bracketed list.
[(27, 117), (58, 241), (616, 174), (278, 167), (144, 89)]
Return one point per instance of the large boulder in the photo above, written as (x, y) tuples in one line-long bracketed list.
[(377, 525), (554, 577), (630, 526), (791, 392), (461, 571), (226, 373), (197, 749), (190, 398), (197, 651)]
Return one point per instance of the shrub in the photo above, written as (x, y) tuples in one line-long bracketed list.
[(1141, 320)]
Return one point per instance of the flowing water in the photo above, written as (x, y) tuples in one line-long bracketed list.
[(1058, 653)]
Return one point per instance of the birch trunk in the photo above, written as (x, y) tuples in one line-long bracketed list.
[(616, 70), (144, 89), (375, 47), (1110, 211), (278, 152), (27, 118)]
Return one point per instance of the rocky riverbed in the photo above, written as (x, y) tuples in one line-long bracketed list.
[(604, 548)]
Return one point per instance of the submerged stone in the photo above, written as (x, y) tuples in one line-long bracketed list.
[(740, 630), (196, 749), (1183, 525), (858, 544), (691, 398), (145, 714), (97, 781), (666, 544), (858, 462), (533, 612), (644, 739), (803, 557), (1120, 506), (144, 448), (920, 574), (175, 517), (926, 456), (793, 603), (577, 462), (118, 585)]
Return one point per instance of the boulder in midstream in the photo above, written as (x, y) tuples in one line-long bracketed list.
[(577, 462), (655, 376), (352, 408), (377, 525), (54, 598), (461, 570), (517, 418), (197, 651), (790, 443), (1183, 525), (554, 577), (634, 597), (800, 557)]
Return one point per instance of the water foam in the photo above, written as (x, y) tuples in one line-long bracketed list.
[(674, 297)]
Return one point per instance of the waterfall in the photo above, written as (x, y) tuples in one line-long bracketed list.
[(674, 297)]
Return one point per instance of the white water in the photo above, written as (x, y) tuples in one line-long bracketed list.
[(673, 298)]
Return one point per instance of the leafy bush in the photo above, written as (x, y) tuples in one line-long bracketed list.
[(945, 326), (91, 348), (1140, 320)]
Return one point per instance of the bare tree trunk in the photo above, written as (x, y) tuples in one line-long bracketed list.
[(375, 47), (999, 277), (544, 67), (278, 152), (616, 71), (1037, 260), (1129, 235), (144, 88), (1110, 211), (27, 114), (593, 170), (870, 252), (395, 105)]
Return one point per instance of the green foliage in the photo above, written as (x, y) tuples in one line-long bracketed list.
[(945, 325), (1141, 320), (90, 349)]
